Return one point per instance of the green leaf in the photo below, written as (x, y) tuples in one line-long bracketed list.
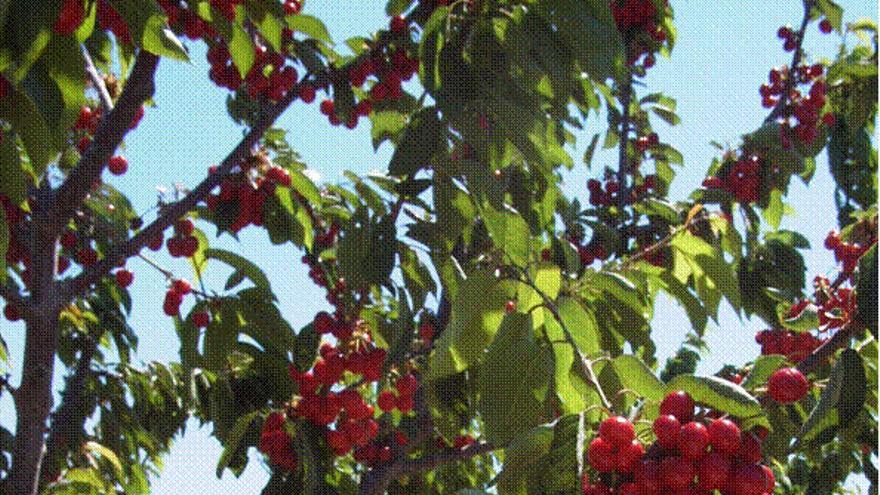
[(106, 454), (423, 137), (635, 375), (718, 394), (306, 347), (509, 233), (773, 212), (581, 323), (714, 272), (522, 460), (233, 440), (366, 249), (866, 290), (242, 265), (841, 400), (477, 312), (242, 50), (514, 381), (13, 178), (386, 124), (41, 142), (832, 12), (762, 369), (309, 26), (807, 320), (666, 114), (149, 29)]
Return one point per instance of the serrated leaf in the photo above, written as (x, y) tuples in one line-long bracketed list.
[(233, 440), (310, 26), (522, 459), (510, 234), (764, 366), (717, 393), (241, 49), (241, 264)]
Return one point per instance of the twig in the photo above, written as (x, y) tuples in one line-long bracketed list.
[(174, 211), (97, 81)]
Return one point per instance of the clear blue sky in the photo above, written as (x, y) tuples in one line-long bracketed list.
[(722, 56)]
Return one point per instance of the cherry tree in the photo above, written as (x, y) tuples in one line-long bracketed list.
[(486, 330)]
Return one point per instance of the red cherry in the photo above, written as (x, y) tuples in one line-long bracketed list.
[(68, 240), (629, 455), (676, 472), (338, 442), (405, 403), (510, 307), (713, 472), (398, 24), (666, 429), (647, 475), (678, 404), (155, 243), (323, 323), (749, 449), (201, 319), (601, 455), (117, 165), (787, 385), (184, 226), (825, 26), (770, 478), (10, 311), (181, 287), (724, 436), (385, 400), (327, 107), (617, 430), (692, 440), (307, 93), (70, 17), (124, 278), (748, 479), (426, 331), (189, 246), (86, 256), (407, 384)]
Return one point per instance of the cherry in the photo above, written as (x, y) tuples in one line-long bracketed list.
[(63, 264), (787, 385), (181, 287), (601, 455), (155, 243), (666, 428), (307, 93), (398, 24), (692, 440), (70, 17), (338, 442), (124, 277), (679, 404), (68, 240), (825, 26), (770, 478), (184, 226), (617, 430), (510, 307), (463, 441), (426, 331), (117, 165), (629, 455), (749, 449), (713, 472), (385, 400), (748, 479), (405, 403), (407, 384), (327, 107), (201, 319), (86, 256), (10, 311), (724, 436), (676, 472), (647, 475)]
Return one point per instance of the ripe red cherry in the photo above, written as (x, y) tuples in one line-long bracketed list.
[(10, 311), (86, 256), (117, 165), (68, 240), (748, 479), (404, 403), (787, 385), (181, 286), (749, 449), (338, 442), (676, 472), (385, 400), (184, 226), (724, 436), (692, 440), (407, 384), (628, 456), (510, 307), (398, 24), (327, 107), (617, 430), (124, 277), (647, 475), (666, 429), (307, 93), (825, 26), (426, 331), (189, 245), (155, 243), (770, 478), (70, 17), (601, 455), (678, 404), (713, 472), (201, 319)]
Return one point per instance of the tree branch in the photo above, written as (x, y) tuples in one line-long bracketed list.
[(824, 351), (113, 127), (97, 81), (119, 253)]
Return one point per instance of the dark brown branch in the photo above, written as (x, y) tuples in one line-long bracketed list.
[(68, 420), (173, 212), (111, 130), (412, 466), (823, 352)]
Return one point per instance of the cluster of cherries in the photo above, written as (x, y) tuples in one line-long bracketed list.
[(85, 126), (794, 346), (72, 15), (847, 253), (183, 244), (743, 179), (391, 65), (174, 296), (246, 190), (638, 21), (692, 454)]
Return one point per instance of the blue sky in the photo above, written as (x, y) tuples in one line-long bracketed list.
[(723, 53)]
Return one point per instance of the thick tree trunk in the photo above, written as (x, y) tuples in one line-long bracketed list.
[(33, 402)]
